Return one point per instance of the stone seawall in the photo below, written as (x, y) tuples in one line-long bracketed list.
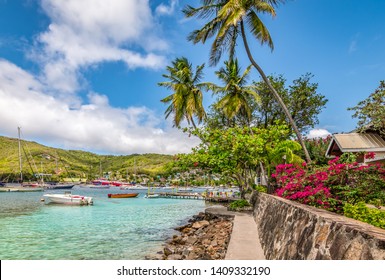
[(292, 231)]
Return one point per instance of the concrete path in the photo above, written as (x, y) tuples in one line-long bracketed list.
[(244, 242)]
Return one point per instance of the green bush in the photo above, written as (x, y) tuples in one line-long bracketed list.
[(260, 188), (362, 213), (238, 204)]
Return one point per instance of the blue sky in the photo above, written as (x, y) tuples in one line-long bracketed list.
[(83, 74)]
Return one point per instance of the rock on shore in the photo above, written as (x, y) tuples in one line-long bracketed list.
[(205, 237)]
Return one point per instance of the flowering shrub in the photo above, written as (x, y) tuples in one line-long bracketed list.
[(370, 155), (296, 184), (332, 186)]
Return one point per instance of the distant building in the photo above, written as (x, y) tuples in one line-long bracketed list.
[(359, 144)]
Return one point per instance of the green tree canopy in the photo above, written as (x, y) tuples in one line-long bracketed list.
[(301, 97), (236, 153), (371, 111)]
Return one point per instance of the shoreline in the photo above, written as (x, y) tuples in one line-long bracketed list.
[(206, 236)]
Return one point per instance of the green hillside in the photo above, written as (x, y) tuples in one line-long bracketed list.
[(72, 163)]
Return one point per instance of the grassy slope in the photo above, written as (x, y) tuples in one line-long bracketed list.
[(79, 163)]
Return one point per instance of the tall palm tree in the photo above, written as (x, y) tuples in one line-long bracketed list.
[(186, 99), (229, 18), (235, 93)]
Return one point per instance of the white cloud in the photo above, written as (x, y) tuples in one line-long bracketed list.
[(88, 32), (318, 133), (94, 126), (163, 9)]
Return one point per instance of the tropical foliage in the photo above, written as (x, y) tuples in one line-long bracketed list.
[(370, 112), (362, 213), (339, 187), (235, 94), (226, 21), (301, 97), (236, 153), (186, 99), (238, 205)]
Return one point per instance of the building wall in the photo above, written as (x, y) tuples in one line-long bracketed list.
[(292, 231)]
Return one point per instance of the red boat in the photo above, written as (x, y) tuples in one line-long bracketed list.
[(101, 182), (122, 195)]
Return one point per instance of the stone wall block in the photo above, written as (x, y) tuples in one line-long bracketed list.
[(289, 230)]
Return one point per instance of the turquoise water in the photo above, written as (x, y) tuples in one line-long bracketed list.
[(128, 228)]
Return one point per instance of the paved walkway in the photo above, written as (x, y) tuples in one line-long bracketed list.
[(244, 242)]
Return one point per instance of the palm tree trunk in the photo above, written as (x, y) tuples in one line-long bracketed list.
[(276, 95), (193, 123)]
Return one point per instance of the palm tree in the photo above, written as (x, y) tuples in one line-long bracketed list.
[(235, 93), (186, 99), (228, 22)]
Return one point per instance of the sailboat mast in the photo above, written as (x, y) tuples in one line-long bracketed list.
[(20, 162)]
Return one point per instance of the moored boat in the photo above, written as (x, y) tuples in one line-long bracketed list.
[(122, 195), (99, 187), (135, 187), (70, 199), (60, 186), (102, 182), (152, 195)]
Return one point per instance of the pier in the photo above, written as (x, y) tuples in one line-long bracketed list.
[(181, 195), (21, 189), (200, 196)]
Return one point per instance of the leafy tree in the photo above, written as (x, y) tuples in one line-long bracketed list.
[(228, 19), (301, 98), (235, 93), (237, 152), (186, 99), (317, 148), (371, 111)]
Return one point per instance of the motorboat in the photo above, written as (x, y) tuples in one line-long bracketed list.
[(122, 195), (136, 187), (99, 187), (101, 182), (68, 198), (152, 195)]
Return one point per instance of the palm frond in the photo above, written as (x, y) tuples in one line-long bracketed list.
[(258, 29)]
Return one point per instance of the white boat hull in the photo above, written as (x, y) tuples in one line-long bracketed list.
[(151, 196), (69, 199)]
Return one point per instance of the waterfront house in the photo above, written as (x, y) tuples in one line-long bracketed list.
[(358, 144)]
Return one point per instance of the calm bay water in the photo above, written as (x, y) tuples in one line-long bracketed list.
[(126, 229)]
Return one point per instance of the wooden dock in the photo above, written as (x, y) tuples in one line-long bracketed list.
[(21, 189), (181, 195), (200, 196)]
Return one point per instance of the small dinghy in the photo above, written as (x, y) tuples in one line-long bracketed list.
[(122, 195)]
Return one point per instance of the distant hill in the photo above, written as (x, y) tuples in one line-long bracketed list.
[(60, 163)]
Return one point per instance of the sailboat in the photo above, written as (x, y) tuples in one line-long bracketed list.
[(25, 186)]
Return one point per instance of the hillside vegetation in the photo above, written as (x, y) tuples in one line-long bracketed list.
[(73, 163)]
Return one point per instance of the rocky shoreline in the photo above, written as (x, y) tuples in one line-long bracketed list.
[(205, 237)]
